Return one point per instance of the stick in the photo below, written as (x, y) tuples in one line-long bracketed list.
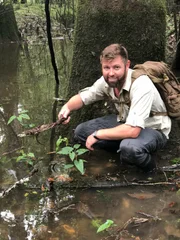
[(21, 181)]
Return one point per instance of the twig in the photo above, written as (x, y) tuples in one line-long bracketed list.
[(21, 181), (149, 216), (174, 167), (14, 150), (71, 206)]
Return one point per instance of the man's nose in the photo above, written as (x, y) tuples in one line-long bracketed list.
[(111, 72)]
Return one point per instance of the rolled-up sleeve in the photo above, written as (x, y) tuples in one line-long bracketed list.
[(94, 93), (141, 95)]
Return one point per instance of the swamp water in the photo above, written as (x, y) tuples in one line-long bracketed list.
[(29, 211)]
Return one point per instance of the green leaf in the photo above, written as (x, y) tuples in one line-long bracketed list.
[(19, 118), (20, 158), (72, 155), (105, 225), (65, 150), (58, 142), (79, 164), (30, 162), (25, 116), (31, 155), (11, 119), (81, 151), (76, 146), (23, 111), (175, 161), (67, 166)]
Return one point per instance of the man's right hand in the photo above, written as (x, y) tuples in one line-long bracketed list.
[(64, 113)]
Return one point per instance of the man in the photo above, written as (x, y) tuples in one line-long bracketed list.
[(134, 133)]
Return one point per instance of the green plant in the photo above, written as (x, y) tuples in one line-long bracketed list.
[(22, 115), (26, 157), (175, 161), (105, 225), (73, 152)]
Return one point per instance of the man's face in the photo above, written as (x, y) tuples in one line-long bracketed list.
[(114, 71)]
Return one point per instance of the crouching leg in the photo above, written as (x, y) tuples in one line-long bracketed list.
[(140, 151)]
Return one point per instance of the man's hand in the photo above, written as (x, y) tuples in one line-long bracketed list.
[(65, 114), (90, 141)]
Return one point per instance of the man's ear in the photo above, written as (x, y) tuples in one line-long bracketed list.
[(128, 63)]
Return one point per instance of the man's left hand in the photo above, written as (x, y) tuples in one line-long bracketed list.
[(90, 141)]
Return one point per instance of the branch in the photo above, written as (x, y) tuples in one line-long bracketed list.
[(20, 182)]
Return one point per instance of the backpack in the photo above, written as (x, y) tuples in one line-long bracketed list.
[(165, 82)]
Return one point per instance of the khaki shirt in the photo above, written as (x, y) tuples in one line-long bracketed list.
[(143, 96)]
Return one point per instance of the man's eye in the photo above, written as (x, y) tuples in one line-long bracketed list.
[(106, 68), (117, 67)]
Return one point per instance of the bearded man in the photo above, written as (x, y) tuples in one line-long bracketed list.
[(133, 133)]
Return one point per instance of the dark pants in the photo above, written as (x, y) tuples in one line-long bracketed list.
[(137, 151)]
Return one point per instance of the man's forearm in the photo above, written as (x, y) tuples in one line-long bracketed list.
[(119, 132), (74, 103)]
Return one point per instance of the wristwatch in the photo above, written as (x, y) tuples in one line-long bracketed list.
[(94, 135)]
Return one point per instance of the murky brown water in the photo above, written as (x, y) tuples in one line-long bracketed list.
[(31, 212)]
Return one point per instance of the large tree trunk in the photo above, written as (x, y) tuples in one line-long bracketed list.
[(140, 25), (176, 60), (8, 25)]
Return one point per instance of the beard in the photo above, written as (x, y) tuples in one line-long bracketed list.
[(116, 82)]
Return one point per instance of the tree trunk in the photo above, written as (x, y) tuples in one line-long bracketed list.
[(176, 60), (8, 25), (139, 25)]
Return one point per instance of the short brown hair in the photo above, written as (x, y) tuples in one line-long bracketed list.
[(114, 50)]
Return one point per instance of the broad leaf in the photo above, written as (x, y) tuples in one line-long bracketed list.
[(72, 155), (67, 166), (30, 162), (20, 158), (11, 119), (105, 225), (23, 111), (19, 118), (79, 164), (76, 146), (31, 155), (65, 150), (81, 151), (25, 116)]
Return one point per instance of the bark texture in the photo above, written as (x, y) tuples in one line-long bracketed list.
[(8, 25)]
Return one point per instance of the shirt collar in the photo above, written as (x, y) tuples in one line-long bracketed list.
[(127, 83)]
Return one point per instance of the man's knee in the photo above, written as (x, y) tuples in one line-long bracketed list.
[(130, 154), (78, 130), (79, 133)]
